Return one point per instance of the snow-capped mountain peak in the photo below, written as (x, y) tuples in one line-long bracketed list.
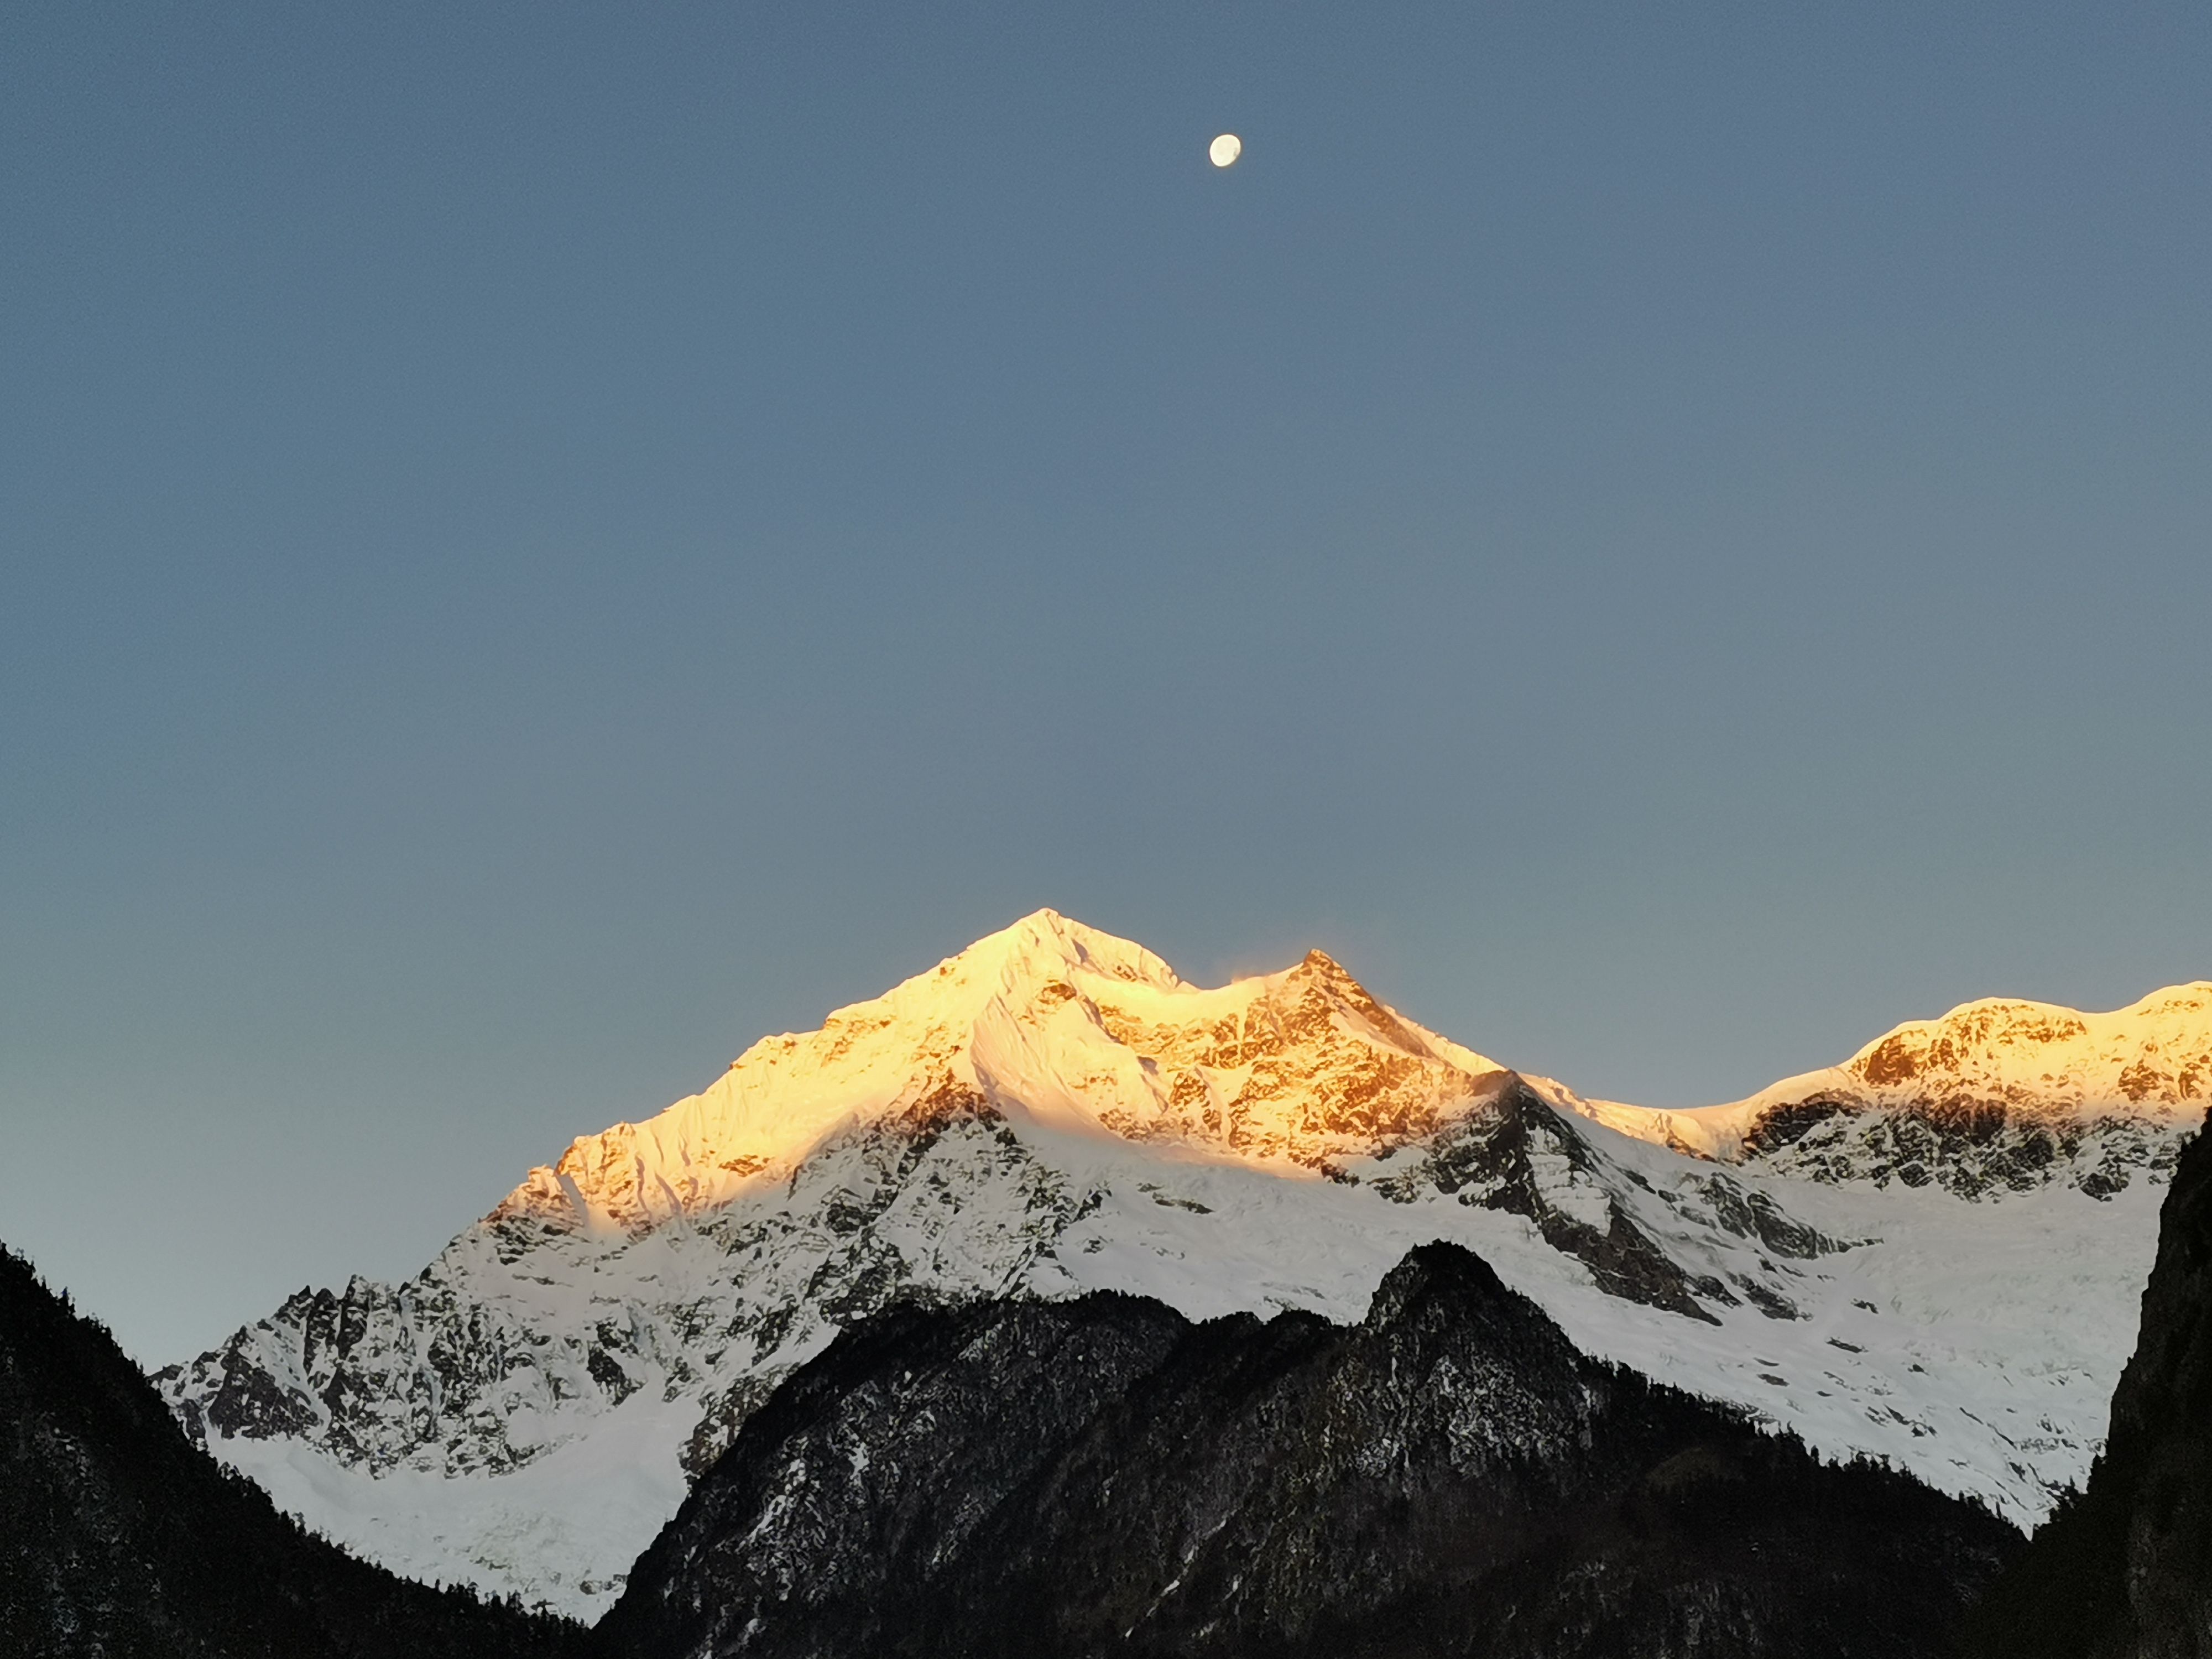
[(1053, 1110), (1051, 1021)]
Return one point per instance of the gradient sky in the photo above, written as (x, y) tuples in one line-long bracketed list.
[(538, 543)]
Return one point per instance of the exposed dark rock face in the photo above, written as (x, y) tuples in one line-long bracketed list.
[(1973, 1148), (2125, 1571), (119, 1539), (1488, 1158), (1449, 1477), (1514, 1151)]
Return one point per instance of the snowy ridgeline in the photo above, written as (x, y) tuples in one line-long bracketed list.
[(1933, 1254)]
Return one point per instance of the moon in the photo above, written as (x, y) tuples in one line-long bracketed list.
[(1224, 150)]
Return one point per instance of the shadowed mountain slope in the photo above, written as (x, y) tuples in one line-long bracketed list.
[(119, 1538), (2125, 1571), (1448, 1476)]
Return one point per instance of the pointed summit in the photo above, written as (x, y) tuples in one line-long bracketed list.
[(1052, 1022)]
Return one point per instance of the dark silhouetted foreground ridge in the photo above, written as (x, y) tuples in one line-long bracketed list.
[(1447, 1477), (2125, 1571), (119, 1539)]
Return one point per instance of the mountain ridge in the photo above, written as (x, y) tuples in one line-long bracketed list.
[(982, 1021), (2036, 1077), (1062, 1478), (1054, 1110)]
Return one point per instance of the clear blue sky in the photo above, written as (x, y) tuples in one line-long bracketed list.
[(538, 543)]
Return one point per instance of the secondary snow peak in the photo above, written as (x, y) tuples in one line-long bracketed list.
[(1999, 1096)]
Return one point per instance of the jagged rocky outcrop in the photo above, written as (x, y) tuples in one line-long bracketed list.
[(117, 1539), (1054, 1111), (2124, 1570), (1447, 1476)]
